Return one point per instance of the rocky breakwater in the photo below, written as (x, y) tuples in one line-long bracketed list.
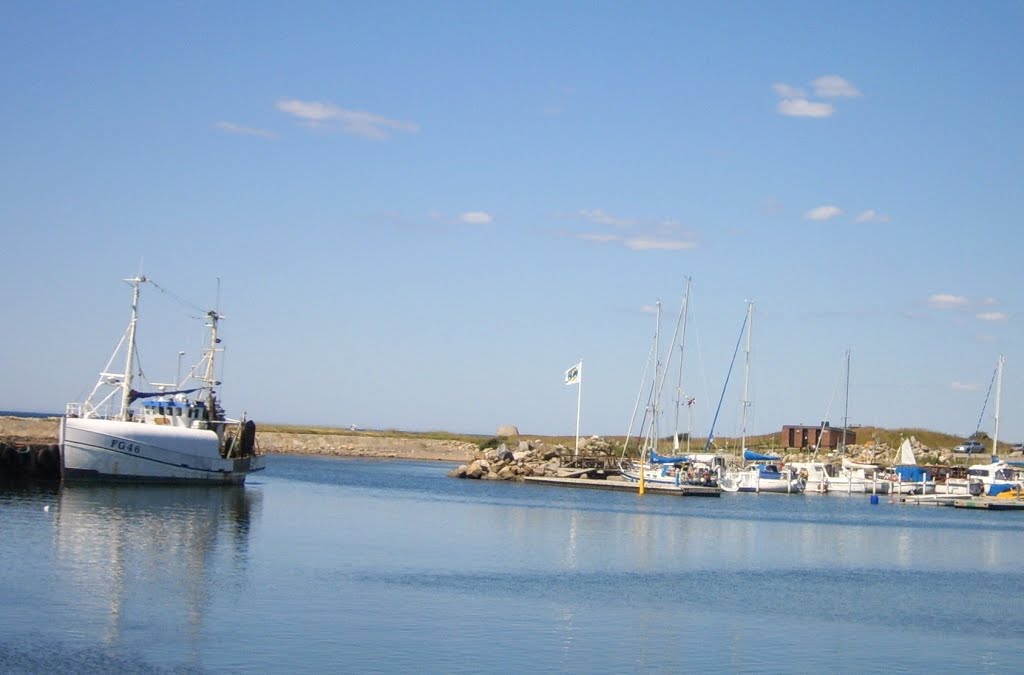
[(534, 458), (359, 445)]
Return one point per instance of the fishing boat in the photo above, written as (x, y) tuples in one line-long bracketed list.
[(173, 435)]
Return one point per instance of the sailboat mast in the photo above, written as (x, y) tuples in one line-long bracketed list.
[(746, 377), (656, 391), (999, 395), (129, 366), (679, 382), (846, 404)]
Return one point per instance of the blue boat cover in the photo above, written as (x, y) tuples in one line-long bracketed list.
[(911, 472), (751, 456), (655, 458)]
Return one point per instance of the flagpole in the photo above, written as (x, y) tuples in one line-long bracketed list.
[(579, 400)]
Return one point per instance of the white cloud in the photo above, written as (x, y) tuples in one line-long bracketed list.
[(476, 218), (947, 301), (833, 86), (599, 217), (645, 243), (598, 238), (992, 316), (355, 122), (241, 130), (823, 213), (649, 309), (661, 235), (872, 216), (964, 386), (786, 91), (801, 107)]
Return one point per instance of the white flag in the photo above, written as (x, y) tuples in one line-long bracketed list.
[(572, 376)]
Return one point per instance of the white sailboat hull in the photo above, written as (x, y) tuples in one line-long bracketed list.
[(750, 481), (100, 450)]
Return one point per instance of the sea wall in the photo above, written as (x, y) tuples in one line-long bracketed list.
[(355, 445)]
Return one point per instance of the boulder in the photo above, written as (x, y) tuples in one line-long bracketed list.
[(477, 468), (508, 430)]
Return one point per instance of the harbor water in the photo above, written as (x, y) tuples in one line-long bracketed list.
[(340, 565)]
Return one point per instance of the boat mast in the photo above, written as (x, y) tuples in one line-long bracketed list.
[(208, 376), (999, 394), (656, 390), (746, 377), (679, 382), (129, 366), (846, 405)]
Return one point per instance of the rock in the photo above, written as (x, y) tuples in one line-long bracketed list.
[(508, 430), (477, 468), (552, 453)]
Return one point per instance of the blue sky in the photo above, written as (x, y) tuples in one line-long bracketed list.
[(421, 214)]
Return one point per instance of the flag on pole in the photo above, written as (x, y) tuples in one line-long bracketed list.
[(572, 376)]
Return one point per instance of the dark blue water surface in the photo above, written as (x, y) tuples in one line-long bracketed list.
[(335, 565)]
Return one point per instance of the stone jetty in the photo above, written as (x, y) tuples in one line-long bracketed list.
[(535, 458)]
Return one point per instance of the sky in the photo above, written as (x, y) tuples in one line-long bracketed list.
[(417, 216)]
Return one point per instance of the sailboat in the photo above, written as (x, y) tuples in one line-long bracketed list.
[(997, 476), (172, 437), (906, 476), (764, 474), (678, 470), (851, 477)]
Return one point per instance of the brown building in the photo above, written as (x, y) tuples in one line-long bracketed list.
[(821, 436)]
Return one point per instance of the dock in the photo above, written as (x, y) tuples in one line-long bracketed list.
[(991, 504), (616, 483), (966, 502)]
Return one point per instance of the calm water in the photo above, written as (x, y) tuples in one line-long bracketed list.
[(334, 565)]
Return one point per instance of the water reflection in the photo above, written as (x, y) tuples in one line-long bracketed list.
[(127, 549)]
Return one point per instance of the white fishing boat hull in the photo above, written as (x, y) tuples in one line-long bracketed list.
[(101, 450)]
